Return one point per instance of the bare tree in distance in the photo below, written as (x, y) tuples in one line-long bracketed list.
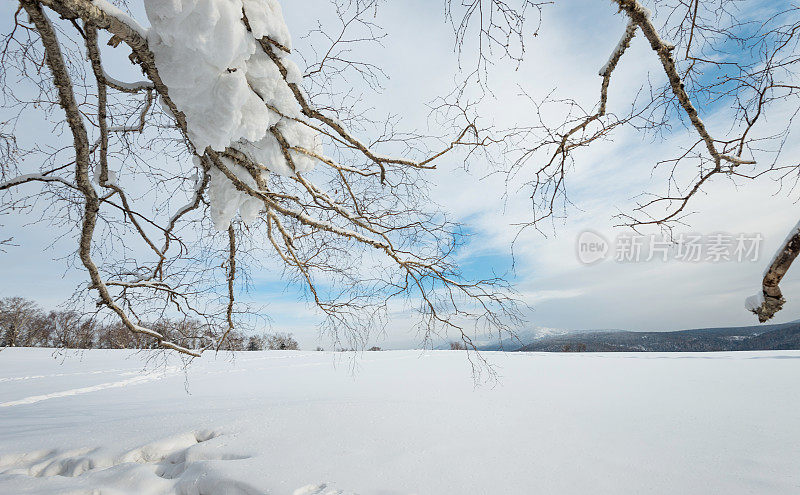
[(24, 324), (149, 186), (457, 346), (281, 342), (16, 318)]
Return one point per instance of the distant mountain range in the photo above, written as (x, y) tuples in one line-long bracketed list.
[(522, 337), (752, 338)]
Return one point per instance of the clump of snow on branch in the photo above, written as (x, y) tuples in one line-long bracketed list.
[(114, 11), (754, 302), (266, 19), (230, 91), (226, 200)]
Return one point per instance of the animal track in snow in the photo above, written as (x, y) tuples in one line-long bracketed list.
[(184, 464), (322, 489), (136, 379)]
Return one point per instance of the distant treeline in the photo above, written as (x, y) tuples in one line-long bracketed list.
[(778, 337), (24, 324)]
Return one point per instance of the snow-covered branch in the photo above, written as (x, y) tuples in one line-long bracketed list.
[(770, 300)]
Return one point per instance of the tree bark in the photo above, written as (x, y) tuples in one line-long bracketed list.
[(773, 298)]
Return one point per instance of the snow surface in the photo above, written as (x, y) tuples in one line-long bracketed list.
[(404, 422)]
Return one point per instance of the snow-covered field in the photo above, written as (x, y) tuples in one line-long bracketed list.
[(402, 422)]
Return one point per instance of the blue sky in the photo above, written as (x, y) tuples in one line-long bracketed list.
[(574, 42)]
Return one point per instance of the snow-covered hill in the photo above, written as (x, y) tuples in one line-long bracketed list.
[(401, 422), (521, 337)]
